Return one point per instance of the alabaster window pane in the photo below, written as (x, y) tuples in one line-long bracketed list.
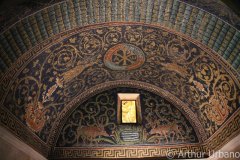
[(129, 112)]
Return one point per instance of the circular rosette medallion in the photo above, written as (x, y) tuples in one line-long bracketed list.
[(124, 57)]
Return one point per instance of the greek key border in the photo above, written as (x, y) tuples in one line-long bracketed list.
[(125, 152)]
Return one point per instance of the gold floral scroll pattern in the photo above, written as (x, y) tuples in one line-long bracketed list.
[(165, 123), (217, 88), (62, 71), (94, 123)]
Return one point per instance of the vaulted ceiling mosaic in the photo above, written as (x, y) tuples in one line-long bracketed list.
[(60, 74)]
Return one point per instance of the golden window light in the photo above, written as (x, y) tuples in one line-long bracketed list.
[(129, 109), (129, 112)]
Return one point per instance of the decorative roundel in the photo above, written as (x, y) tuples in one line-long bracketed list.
[(124, 57)]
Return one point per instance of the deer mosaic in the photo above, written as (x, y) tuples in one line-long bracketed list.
[(89, 133), (166, 130)]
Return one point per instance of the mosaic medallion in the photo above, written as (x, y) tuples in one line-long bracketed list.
[(124, 57)]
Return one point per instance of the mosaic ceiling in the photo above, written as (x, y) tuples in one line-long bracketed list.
[(57, 62)]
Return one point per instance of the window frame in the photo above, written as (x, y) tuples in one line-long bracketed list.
[(129, 97)]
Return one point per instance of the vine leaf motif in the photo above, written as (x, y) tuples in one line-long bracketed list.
[(72, 40)]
